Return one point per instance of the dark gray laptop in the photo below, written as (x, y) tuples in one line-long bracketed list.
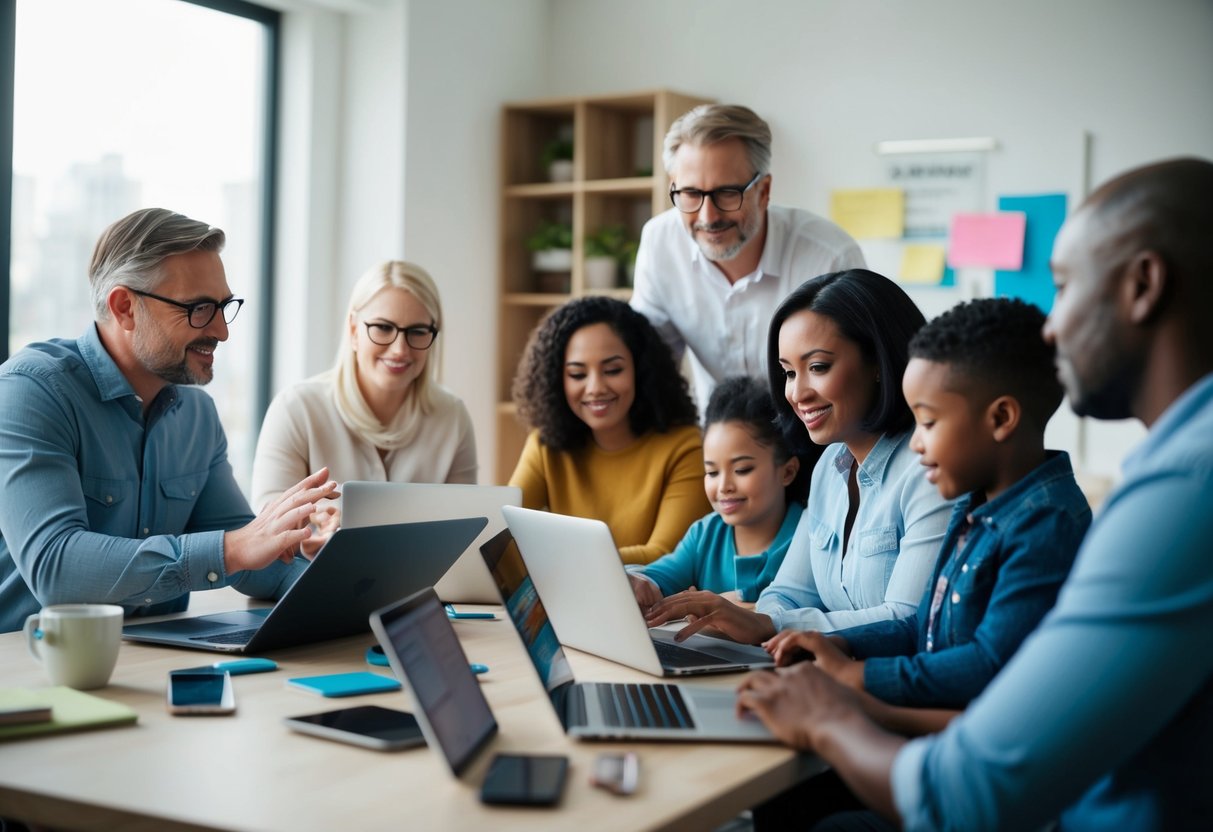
[(355, 573), (604, 710)]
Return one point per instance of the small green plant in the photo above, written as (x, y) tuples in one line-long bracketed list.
[(555, 149), (609, 241), (550, 235)]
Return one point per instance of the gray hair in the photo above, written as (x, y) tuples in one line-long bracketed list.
[(712, 123), (130, 251)]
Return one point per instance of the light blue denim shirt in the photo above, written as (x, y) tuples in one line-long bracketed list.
[(101, 505), (895, 542), (1105, 715)]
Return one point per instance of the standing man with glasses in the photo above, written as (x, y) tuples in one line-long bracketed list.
[(711, 270), (116, 483)]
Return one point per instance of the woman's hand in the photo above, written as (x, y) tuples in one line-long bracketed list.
[(647, 593), (707, 609), (324, 521)]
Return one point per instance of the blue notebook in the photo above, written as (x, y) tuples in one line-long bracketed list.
[(346, 684)]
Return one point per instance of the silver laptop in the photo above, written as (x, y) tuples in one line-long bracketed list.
[(356, 572), (425, 654), (577, 568), (603, 710), (373, 503)]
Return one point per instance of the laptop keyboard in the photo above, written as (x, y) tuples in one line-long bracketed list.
[(643, 706), (674, 655), (234, 637)]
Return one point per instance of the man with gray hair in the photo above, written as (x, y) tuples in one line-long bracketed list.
[(116, 483), (711, 270)]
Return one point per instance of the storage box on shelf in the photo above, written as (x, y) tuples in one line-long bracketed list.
[(618, 180)]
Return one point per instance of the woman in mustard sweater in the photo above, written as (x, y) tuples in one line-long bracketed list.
[(615, 434)]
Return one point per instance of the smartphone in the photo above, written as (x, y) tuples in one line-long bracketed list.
[(201, 690), (369, 726), (525, 779)]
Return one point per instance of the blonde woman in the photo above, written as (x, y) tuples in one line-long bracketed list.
[(378, 414)]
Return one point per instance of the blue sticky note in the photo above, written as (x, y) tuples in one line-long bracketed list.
[(1034, 281)]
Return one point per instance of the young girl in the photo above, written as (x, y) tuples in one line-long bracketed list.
[(757, 488), (615, 431)]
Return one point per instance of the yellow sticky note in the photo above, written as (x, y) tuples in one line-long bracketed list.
[(871, 212), (922, 263)]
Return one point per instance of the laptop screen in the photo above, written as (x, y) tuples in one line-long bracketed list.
[(421, 645), (530, 619)]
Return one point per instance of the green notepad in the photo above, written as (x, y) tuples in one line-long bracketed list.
[(71, 710)]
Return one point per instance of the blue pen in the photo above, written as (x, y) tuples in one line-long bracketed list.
[(452, 614)]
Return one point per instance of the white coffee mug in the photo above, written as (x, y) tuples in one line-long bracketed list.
[(77, 643)]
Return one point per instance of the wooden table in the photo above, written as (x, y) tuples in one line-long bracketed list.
[(249, 772)]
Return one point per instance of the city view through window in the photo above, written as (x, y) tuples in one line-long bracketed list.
[(129, 104)]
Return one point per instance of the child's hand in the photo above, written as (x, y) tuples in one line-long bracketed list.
[(707, 609), (790, 646), (647, 593)]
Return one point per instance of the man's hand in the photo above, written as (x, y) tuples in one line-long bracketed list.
[(281, 527), (325, 521), (647, 593), (827, 652), (707, 609), (794, 702)]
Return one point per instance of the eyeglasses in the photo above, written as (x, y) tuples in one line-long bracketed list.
[(728, 198), (418, 336), (200, 313)]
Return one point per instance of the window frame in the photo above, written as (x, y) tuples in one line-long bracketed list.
[(271, 21)]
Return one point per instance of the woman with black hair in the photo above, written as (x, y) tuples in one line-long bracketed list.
[(836, 349), (614, 433)]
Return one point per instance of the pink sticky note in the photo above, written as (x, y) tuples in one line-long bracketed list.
[(991, 240)]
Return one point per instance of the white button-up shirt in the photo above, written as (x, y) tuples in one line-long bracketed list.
[(692, 304)]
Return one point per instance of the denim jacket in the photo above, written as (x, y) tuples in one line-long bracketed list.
[(987, 596), (892, 549), (103, 504)]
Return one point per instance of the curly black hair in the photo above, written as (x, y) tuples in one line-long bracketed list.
[(746, 400), (878, 316), (662, 399), (995, 347)]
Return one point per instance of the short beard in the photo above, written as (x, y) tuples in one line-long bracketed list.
[(159, 360), (745, 233)]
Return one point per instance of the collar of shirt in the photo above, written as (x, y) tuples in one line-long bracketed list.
[(1056, 466), (1173, 420), (773, 243), (872, 469)]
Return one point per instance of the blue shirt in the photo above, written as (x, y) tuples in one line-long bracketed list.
[(706, 558), (103, 505), (893, 547), (1106, 711), (987, 597)]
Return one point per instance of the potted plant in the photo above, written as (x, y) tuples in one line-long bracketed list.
[(551, 246), (557, 159), (604, 254)]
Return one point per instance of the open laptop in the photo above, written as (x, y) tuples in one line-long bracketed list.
[(373, 503), (356, 572), (602, 710), (424, 652), (576, 566)]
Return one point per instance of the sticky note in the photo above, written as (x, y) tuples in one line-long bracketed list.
[(922, 263), (989, 240), (1033, 280), (869, 213)]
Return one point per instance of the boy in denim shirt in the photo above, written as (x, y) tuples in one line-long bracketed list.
[(982, 386)]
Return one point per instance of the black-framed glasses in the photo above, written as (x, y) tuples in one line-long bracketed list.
[(728, 198), (417, 336), (201, 312)]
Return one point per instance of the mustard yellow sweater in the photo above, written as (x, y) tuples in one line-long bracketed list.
[(648, 494)]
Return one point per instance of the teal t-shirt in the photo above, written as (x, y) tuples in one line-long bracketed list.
[(706, 558)]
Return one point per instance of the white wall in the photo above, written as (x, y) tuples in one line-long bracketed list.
[(412, 169)]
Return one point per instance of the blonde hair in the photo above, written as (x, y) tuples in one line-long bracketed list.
[(351, 404), (712, 123)]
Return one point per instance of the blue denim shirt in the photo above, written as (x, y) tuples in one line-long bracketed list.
[(1105, 715), (893, 547), (1018, 550), (101, 505)]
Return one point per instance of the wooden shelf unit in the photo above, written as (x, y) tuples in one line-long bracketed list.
[(618, 178)]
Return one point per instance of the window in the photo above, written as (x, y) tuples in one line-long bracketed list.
[(129, 104)]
